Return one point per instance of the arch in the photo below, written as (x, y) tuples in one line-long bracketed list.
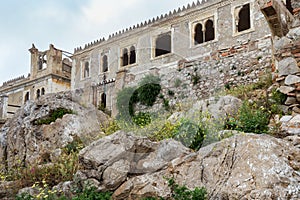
[(103, 100), (26, 98), (104, 64), (244, 18), (43, 91), (38, 93), (198, 35), (132, 58), (86, 72), (163, 44), (125, 57), (209, 30)]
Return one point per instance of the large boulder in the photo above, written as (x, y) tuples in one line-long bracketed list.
[(109, 161), (245, 166), (24, 141)]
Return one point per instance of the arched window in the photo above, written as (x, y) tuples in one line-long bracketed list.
[(125, 57), (244, 18), (289, 6), (103, 100), (26, 98), (86, 72), (104, 64), (38, 93), (42, 61), (132, 58), (198, 36), (209, 31), (163, 44), (43, 91)]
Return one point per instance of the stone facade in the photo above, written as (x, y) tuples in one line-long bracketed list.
[(50, 73), (222, 42)]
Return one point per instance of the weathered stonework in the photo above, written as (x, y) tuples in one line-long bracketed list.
[(221, 43), (235, 51), (49, 73)]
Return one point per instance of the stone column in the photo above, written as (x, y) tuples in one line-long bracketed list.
[(3, 106)]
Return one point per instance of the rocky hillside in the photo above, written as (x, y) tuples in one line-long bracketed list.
[(38, 131)]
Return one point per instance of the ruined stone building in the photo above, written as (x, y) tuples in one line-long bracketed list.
[(49, 73), (197, 50), (221, 42)]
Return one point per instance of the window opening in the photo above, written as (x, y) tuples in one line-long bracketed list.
[(43, 91), (125, 57), (163, 44), (244, 18), (103, 100), (132, 59), (26, 97), (209, 31), (86, 70), (38, 93), (104, 64), (198, 37)]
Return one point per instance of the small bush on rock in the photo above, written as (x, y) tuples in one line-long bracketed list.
[(250, 119), (142, 119), (53, 115)]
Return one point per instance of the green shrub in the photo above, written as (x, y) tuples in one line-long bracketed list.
[(183, 193), (167, 131), (250, 119), (166, 104), (190, 134), (126, 98), (74, 147), (142, 119), (278, 97), (111, 127), (53, 115), (147, 93), (195, 79), (90, 193)]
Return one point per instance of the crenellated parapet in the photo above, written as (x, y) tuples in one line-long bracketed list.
[(146, 23), (13, 81)]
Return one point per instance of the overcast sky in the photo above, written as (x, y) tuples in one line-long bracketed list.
[(66, 24)]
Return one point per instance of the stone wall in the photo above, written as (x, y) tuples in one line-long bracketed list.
[(287, 54), (209, 57), (209, 76)]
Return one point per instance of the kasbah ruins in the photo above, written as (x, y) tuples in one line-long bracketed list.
[(220, 42)]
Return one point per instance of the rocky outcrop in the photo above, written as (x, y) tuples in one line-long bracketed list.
[(24, 142), (245, 166), (109, 161)]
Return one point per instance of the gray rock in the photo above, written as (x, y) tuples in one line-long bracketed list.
[(290, 101), (115, 156), (291, 79), (245, 165), (116, 174), (294, 33), (23, 140), (282, 42), (288, 66), (286, 89)]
